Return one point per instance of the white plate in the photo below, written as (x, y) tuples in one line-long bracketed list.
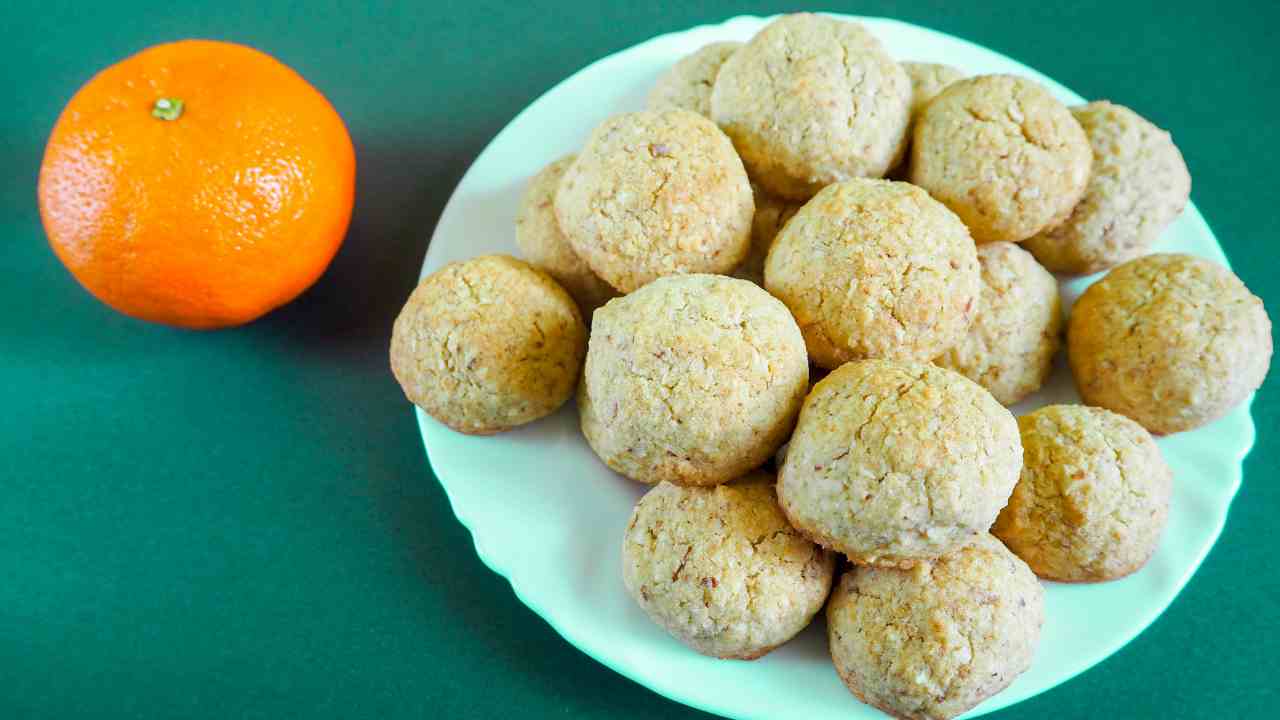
[(547, 515)]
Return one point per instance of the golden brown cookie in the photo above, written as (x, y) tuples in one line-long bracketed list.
[(720, 569), (1010, 345), (1002, 153), (932, 642), (545, 247), (812, 100), (893, 463), (1093, 497), (875, 269), (693, 379), (488, 344), (1171, 340), (1139, 184), (687, 85), (654, 194)]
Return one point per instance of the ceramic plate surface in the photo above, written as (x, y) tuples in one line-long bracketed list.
[(547, 515)]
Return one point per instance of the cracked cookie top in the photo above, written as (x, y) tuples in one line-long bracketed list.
[(1093, 497), (875, 269), (654, 194), (1002, 153), (1138, 185), (542, 243), (694, 379), (932, 642), (812, 100), (893, 463), (720, 569), (687, 84), (1171, 340), (487, 344), (1009, 348)]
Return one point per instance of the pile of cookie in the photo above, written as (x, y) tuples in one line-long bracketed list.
[(691, 263)]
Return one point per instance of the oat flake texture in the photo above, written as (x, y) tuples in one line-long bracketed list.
[(875, 269), (895, 463), (692, 379), (487, 344), (1171, 340), (932, 642), (1002, 153), (812, 100), (654, 194), (720, 569), (1093, 498)]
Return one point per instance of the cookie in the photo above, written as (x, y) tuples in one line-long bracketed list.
[(654, 194), (693, 379), (488, 344), (687, 84), (772, 213), (932, 642), (1093, 497), (1139, 184), (1002, 153), (927, 80), (720, 569), (810, 101), (543, 245), (1171, 340), (1010, 345), (875, 269), (893, 463)]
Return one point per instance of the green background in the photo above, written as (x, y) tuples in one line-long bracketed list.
[(243, 524)]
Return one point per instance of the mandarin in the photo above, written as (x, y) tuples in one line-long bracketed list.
[(198, 183)]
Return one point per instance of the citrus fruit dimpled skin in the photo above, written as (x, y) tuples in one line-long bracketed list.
[(197, 183)]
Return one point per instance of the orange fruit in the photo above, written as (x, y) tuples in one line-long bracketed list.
[(197, 183)]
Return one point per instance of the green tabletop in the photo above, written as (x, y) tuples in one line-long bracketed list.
[(242, 524)]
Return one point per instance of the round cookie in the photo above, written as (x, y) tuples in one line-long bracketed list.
[(693, 379), (1001, 152), (488, 344), (687, 85), (1171, 340), (1010, 345), (1139, 184), (932, 642), (720, 569), (927, 80), (772, 213), (893, 463), (1093, 497), (812, 100), (543, 245), (875, 269), (654, 194)]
